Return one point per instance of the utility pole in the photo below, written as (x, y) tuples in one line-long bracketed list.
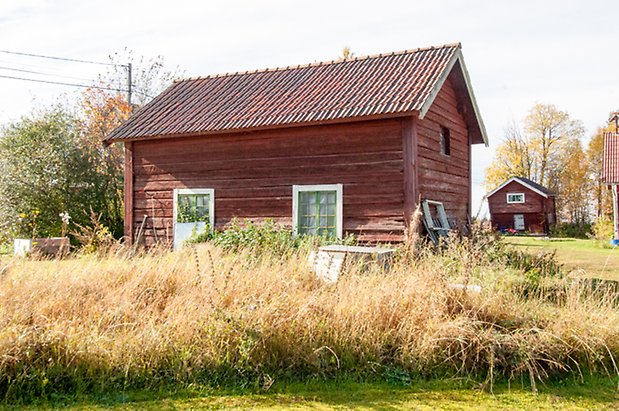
[(129, 83)]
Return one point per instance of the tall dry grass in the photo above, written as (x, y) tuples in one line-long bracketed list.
[(204, 315)]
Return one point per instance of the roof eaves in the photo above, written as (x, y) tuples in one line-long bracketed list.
[(521, 182), (438, 85), (117, 134), (469, 87), (536, 187), (276, 126), (493, 192)]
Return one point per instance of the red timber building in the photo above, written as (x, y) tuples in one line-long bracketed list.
[(610, 170), (522, 205), (330, 148)]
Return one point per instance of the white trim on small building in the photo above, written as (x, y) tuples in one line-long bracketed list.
[(519, 181), (515, 198)]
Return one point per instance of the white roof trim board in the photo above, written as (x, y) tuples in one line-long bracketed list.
[(519, 181), (457, 57)]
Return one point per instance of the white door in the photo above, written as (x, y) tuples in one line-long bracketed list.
[(193, 210), (518, 222)]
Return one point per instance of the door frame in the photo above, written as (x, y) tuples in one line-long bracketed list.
[(211, 208), (523, 222)]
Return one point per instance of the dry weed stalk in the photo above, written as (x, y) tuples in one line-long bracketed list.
[(412, 235)]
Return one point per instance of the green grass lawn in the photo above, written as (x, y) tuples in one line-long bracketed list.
[(596, 393), (589, 258)]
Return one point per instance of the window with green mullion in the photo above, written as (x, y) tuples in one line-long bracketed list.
[(317, 213), (193, 208)]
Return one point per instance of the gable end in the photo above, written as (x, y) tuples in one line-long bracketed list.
[(462, 84), (522, 183)]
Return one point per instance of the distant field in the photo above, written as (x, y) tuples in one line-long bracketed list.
[(590, 256)]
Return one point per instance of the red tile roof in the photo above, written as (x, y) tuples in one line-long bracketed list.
[(380, 85)]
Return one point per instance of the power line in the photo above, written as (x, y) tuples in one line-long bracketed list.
[(52, 69), (133, 90), (64, 84), (76, 85), (61, 58), (43, 74), (35, 66), (128, 90)]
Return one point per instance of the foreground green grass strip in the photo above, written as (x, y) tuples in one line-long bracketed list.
[(597, 393)]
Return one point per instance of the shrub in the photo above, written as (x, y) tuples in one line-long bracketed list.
[(46, 168), (95, 237), (603, 229), (266, 237), (571, 230)]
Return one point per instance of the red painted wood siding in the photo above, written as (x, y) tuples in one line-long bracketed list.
[(610, 160), (253, 173), (535, 208), (445, 178)]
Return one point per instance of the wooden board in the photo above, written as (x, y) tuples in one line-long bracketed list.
[(129, 193)]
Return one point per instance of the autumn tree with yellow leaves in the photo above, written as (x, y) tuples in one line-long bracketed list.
[(513, 157), (102, 112), (54, 160)]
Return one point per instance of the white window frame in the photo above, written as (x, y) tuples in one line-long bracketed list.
[(211, 202), (515, 194), (339, 206)]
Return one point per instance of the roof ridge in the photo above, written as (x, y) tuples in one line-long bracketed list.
[(457, 45), (377, 86)]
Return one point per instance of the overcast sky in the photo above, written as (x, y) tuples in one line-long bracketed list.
[(518, 53)]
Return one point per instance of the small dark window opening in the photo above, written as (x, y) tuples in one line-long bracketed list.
[(445, 141)]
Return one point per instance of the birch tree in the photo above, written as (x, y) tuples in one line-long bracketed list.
[(535, 151), (513, 157), (546, 127)]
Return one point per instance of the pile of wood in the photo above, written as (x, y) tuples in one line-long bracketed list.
[(51, 246)]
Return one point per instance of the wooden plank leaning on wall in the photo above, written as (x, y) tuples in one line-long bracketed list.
[(128, 187)]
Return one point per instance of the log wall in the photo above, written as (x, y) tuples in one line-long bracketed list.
[(253, 173)]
